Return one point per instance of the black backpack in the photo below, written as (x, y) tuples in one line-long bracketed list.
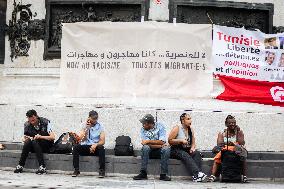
[(123, 146), (231, 166), (64, 144)]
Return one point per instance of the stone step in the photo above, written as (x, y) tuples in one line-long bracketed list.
[(12, 145), (252, 155), (130, 165)]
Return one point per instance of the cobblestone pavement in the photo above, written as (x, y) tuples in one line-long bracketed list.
[(10, 180)]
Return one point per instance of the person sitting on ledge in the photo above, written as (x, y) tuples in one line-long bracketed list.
[(92, 138), (38, 138), (182, 141), (153, 137), (235, 142)]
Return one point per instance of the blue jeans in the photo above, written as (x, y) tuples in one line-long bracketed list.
[(155, 153)]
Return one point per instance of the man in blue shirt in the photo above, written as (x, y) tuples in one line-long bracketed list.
[(153, 137), (92, 138)]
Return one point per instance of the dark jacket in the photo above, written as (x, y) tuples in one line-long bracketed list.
[(31, 131)]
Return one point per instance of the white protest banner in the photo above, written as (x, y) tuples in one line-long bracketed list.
[(248, 54), (149, 59)]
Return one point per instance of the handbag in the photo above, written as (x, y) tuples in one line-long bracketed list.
[(65, 143), (216, 149)]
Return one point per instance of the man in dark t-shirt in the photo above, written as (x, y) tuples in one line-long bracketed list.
[(38, 138)]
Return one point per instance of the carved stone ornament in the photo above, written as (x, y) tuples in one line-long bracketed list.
[(22, 29)]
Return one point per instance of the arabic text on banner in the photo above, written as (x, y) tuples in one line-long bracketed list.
[(149, 59)]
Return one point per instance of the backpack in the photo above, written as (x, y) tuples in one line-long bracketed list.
[(231, 165), (123, 146), (65, 143)]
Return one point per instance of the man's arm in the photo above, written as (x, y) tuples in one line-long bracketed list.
[(152, 142), (83, 134), (102, 139), (100, 143), (84, 131), (157, 143), (50, 137), (26, 137)]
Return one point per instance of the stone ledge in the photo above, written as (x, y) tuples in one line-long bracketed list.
[(252, 155), (130, 165)]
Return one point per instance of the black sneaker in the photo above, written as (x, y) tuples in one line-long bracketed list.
[(76, 173), (102, 173), (41, 170), (164, 177), (19, 169), (141, 176)]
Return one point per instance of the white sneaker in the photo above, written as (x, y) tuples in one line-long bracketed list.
[(200, 177), (19, 169), (41, 170), (212, 178)]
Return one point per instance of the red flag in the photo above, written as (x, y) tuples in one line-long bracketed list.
[(246, 90)]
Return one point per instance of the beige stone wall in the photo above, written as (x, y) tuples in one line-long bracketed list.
[(31, 82)]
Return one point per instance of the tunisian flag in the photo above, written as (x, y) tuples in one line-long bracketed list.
[(246, 90)]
